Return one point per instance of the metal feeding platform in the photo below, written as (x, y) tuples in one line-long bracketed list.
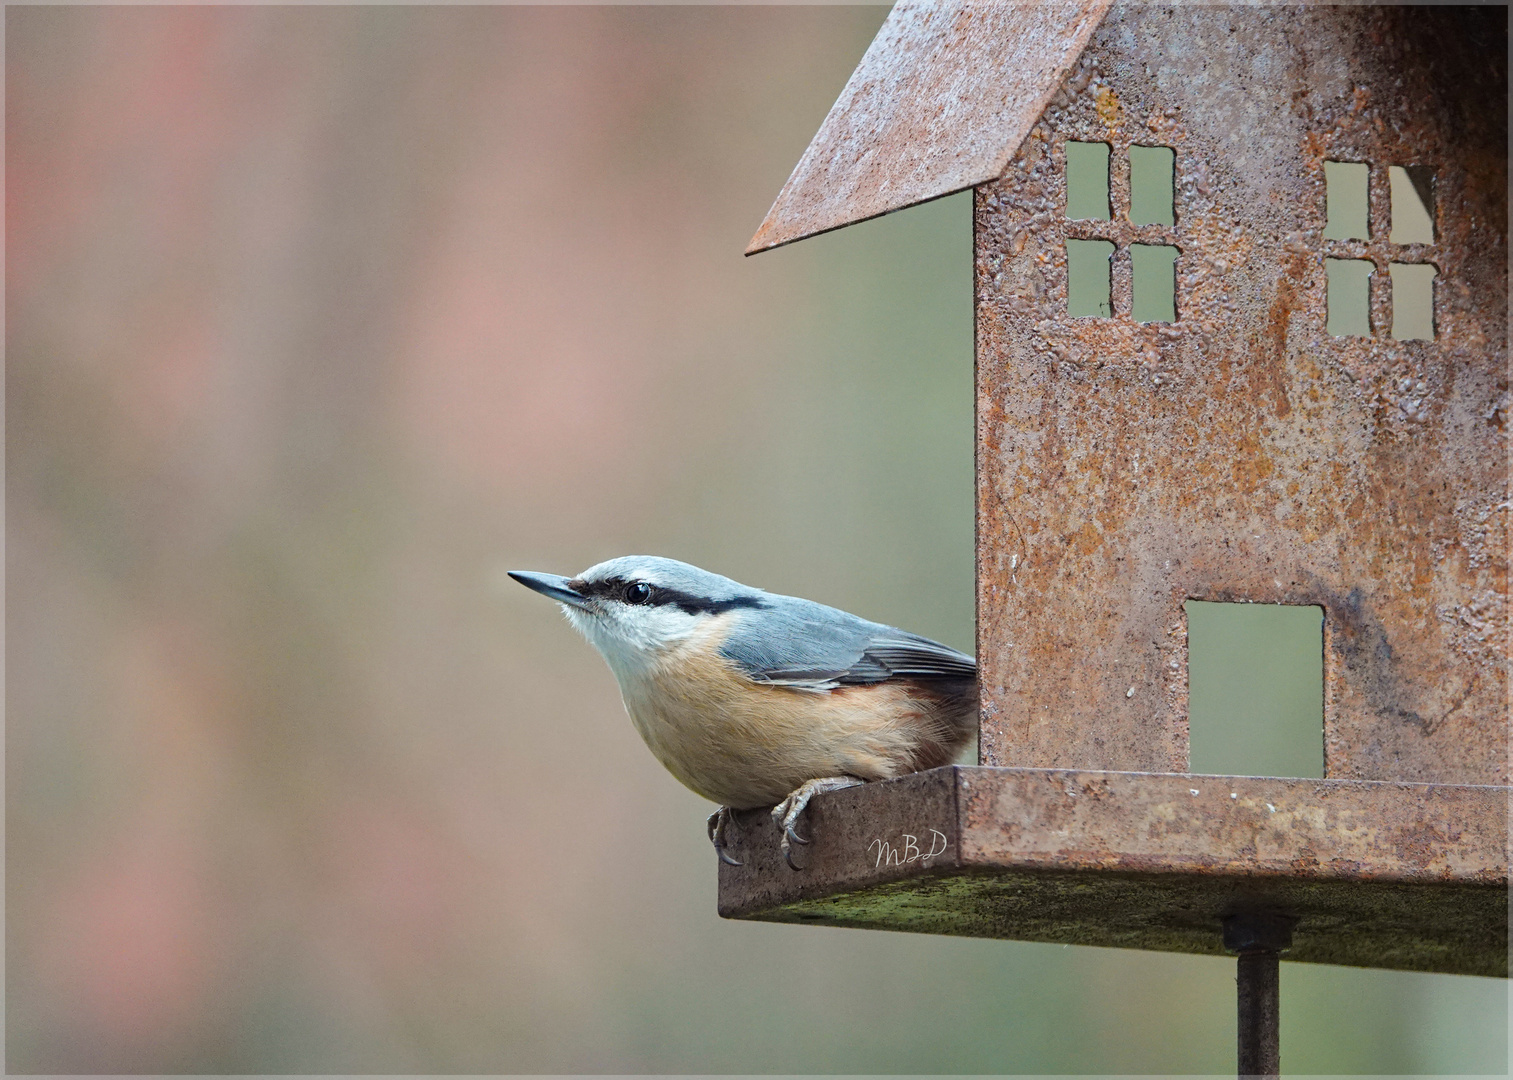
[(1408, 876), (1240, 295)]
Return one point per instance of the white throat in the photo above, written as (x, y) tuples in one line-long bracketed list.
[(634, 639)]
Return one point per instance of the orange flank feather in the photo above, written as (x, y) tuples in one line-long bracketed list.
[(743, 744)]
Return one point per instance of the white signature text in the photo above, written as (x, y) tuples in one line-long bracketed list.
[(907, 851)]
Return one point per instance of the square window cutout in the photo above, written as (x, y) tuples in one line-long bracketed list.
[(1087, 181), (1088, 286), (1412, 189), (1346, 202), (1412, 300), (1153, 273), (1349, 296), (1150, 185), (1255, 689)]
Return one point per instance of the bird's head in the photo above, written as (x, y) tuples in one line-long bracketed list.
[(634, 607)]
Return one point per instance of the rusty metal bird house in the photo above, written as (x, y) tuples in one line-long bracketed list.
[(1241, 335)]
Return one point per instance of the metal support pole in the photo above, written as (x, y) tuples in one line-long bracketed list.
[(1259, 940), (1256, 996)]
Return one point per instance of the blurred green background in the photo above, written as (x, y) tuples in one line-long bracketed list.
[(1255, 689), (317, 321)]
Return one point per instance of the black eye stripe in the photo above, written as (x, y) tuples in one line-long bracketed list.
[(607, 589), (696, 605), (662, 595)]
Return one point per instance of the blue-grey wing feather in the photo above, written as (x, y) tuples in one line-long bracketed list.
[(806, 645)]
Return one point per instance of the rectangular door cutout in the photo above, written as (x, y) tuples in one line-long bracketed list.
[(1346, 186), (1150, 185), (1255, 689), (1087, 278), (1412, 301), (1349, 296), (1087, 181), (1412, 189), (1153, 270)]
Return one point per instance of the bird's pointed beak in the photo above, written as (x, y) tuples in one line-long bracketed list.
[(552, 585)]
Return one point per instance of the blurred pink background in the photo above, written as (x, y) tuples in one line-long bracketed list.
[(318, 319)]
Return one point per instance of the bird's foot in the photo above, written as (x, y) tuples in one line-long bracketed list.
[(786, 813), (717, 823)]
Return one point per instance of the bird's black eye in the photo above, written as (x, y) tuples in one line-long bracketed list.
[(638, 593)]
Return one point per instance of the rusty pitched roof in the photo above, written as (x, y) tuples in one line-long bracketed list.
[(940, 102)]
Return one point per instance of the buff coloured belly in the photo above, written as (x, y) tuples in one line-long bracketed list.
[(745, 744)]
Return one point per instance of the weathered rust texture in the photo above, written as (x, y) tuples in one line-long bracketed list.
[(1238, 826), (1377, 874), (1258, 986), (1241, 453), (1238, 454), (942, 98)]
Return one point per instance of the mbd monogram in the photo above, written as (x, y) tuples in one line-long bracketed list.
[(908, 850)]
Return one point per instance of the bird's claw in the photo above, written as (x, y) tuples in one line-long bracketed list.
[(717, 823), (789, 835), (785, 815)]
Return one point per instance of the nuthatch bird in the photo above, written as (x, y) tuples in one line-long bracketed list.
[(754, 699)]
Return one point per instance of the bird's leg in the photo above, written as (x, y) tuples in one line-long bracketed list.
[(786, 813), (717, 822)]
